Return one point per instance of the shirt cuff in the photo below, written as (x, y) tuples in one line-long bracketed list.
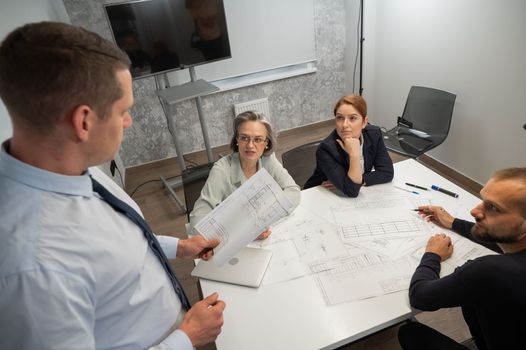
[(462, 227), (169, 245), (178, 340), (431, 260)]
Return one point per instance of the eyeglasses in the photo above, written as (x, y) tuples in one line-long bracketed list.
[(246, 139)]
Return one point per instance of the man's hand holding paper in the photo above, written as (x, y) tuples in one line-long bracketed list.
[(196, 247)]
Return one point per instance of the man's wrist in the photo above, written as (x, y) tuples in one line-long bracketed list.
[(181, 247), (434, 254), (440, 256)]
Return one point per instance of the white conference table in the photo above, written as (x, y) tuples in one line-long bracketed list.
[(293, 314)]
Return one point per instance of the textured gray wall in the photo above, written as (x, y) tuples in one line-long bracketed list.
[(293, 101)]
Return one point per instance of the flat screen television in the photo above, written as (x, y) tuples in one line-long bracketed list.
[(164, 35)]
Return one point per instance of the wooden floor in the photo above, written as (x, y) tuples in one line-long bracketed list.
[(166, 218)]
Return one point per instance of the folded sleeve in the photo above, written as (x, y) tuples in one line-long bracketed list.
[(178, 340), (169, 245)]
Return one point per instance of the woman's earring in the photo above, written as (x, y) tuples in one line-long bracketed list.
[(266, 147)]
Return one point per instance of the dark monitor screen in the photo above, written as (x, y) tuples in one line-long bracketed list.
[(164, 35)]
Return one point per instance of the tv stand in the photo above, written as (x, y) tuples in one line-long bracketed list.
[(195, 88), (187, 91), (175, 94)]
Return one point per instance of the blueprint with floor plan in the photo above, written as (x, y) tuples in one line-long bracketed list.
[(301, 238), (360, 248), (242, 216)]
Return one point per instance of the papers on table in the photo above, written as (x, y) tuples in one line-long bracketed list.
[(239, 219), (463, 250), (361, 276), (302, 238), (356, 248)]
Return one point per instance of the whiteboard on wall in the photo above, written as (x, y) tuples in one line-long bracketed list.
[(264, 35)]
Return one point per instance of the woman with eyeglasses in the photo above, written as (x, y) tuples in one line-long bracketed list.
[(354, 154), (251, 145)]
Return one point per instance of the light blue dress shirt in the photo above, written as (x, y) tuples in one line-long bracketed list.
[(74, 274)]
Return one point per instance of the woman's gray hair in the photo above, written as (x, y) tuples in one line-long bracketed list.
[(252, 116)]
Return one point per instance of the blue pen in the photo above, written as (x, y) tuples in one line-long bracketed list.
[(440, 189), (405, 189)]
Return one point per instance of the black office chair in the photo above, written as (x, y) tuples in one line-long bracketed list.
[(193, 181), (426, 110), (301, 161)]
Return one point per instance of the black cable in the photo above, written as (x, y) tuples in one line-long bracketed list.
[(140, 185), (361, 46), (146, 182), (190, 162), (357, 46), (120, 175)]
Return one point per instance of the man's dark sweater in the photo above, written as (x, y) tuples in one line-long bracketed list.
[(491, 291)]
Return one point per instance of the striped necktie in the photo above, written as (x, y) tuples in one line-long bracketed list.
[(153, 243)]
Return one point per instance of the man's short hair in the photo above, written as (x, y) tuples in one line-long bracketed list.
[(518, 175), (48, 69)]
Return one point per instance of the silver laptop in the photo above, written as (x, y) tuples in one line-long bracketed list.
[(246, 268)]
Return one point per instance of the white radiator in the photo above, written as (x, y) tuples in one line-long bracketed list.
[(260, 106)]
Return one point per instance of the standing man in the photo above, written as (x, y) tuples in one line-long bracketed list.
[(492, 289), (79, 267)]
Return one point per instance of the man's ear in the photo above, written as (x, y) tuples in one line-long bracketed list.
[(82, 119)]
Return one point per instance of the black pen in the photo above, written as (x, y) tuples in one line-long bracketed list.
[(420, 187), (440, 189)]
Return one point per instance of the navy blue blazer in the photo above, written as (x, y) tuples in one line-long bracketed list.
[(332, 162)]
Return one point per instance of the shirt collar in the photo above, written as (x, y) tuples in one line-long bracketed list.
[(31, 176), (237, 176)]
